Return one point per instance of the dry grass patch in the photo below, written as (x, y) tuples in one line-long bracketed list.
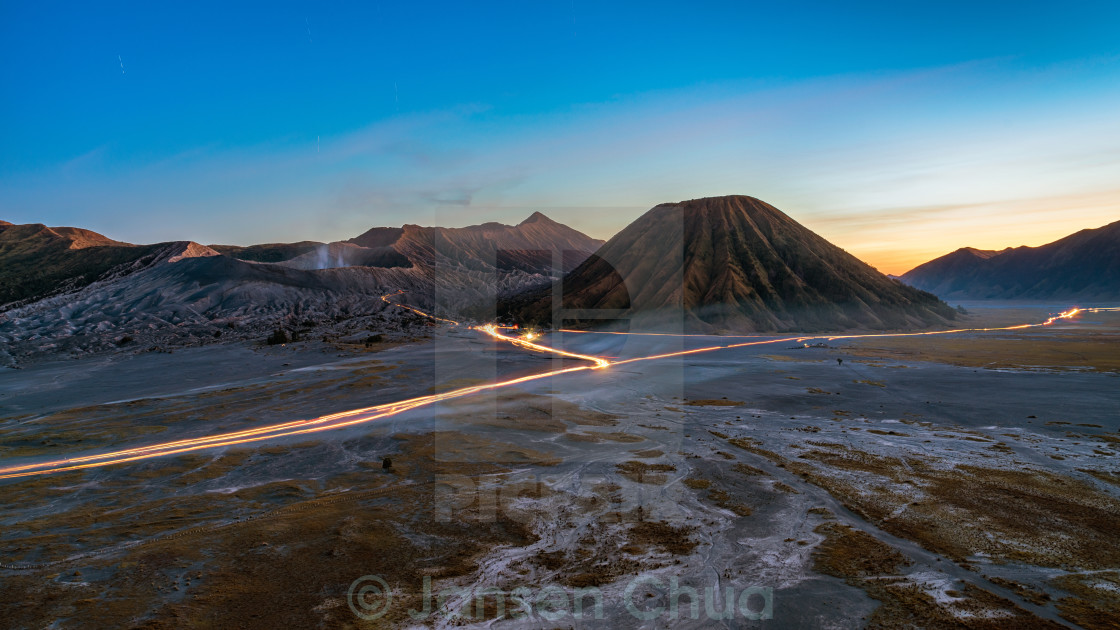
[(598, 437), (642, 472), (661, 535), (1112, 477), (784, 487), (851, 553), (752, 445), (714, 402), (457, 383), (1035, 517), (1094, 601), (782, 358), (1055, 351), (746, 469), (289, 567), (523, 411), (867, 563), (1029, 594)]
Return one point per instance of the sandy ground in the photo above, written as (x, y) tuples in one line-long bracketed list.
[(931, 481)]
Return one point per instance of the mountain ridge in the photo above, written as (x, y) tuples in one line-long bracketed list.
[(37, 260), (74, 291), (738, 263), (1083, 265), (528, 246)]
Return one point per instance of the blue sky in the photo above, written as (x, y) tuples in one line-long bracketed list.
[(898, 130)]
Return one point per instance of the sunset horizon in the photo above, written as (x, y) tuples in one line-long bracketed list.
[(511, 316), (917, 135)]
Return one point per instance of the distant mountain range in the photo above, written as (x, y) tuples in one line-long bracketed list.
[(36, 260), (730, 263), (717, 264), (68, 289), (527, 246), (267, 252), (1083, 266)]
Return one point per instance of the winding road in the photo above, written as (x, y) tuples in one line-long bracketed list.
[(368, 414)]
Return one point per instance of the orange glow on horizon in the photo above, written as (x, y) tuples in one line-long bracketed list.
[(874, 236)]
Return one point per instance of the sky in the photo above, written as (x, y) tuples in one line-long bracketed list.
[(898, 130)]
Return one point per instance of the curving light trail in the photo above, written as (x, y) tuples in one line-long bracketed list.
[(385, 299), (1069, 314), (301, 427), (368, 414), (653, 334), (527, 343)]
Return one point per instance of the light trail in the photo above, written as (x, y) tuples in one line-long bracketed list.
[(1063, 315), (385, 298), (302, 427), (652, 334), (526, 342), (314, 425), (1073, 312), (367, 414)]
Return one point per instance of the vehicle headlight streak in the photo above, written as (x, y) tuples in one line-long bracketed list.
[(526, 342), (369, 414)]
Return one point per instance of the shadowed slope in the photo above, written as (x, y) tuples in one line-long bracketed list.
[(267, 252), (527, 246), (737, 263), (36, 260), (71, 290)]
